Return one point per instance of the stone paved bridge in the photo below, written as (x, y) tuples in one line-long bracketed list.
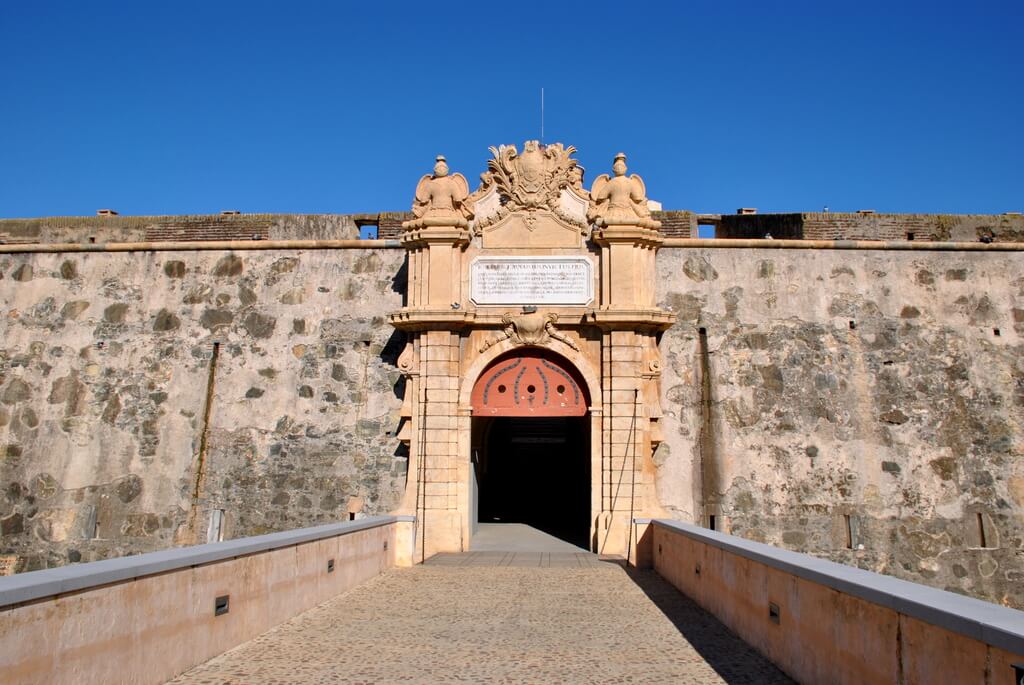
[(343, 603), (499, 617)]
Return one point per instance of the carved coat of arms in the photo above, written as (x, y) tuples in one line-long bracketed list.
[(535, 179)]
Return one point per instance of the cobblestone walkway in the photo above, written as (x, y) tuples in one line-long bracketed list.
[(490, 623)]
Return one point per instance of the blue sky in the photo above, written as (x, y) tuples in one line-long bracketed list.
[(176, 108)]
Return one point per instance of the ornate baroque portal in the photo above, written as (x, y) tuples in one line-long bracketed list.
[(530, 297)]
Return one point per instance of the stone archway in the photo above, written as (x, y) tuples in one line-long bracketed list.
[(524, 264), (531, 450)]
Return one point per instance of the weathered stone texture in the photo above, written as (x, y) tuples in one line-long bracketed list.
[(883, 386), (104, 229), (870, 226), (874, 398), (104, 373)]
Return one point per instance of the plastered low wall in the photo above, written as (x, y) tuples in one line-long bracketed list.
[(147, 618), (834, 623)]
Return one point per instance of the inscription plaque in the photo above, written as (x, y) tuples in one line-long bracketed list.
[(532, 280)]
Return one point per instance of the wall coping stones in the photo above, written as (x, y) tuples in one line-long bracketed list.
[(804, 244), (394, 244), (205, 245), (35, 585), (984, 621)]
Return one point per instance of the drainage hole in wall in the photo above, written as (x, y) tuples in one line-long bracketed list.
[(220, 605), (696, 569), (385, 545), (996, 332), (330, 565), (853, 325), (773, 612)]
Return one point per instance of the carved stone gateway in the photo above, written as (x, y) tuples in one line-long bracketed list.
[(530, 281)]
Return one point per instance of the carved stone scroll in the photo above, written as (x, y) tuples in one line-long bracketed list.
[(532, 328)]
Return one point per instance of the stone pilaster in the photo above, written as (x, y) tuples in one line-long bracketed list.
[(630, 371), (433, 373)]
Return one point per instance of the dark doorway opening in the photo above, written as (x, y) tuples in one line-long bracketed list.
[(535, 471)]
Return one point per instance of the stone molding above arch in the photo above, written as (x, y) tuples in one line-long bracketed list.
[(530, 382), (484, 360)]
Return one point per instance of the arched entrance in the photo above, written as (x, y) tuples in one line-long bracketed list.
[(531, 446)]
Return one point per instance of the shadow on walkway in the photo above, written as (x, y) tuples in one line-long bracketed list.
[(732, 658)]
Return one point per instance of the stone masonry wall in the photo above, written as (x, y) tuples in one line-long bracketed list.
[(120, 229), (882, 386), (855, 226), (866, 406), (119, 433)]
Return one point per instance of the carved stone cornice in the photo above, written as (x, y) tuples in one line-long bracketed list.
[(633, 234), (444, 233), (632, 318), (435, 221), (426, 318)]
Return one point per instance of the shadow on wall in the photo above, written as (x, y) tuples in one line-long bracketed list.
[(733, 659), (400, 282)]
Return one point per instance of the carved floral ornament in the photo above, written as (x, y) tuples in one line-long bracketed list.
[(529, 181), (530, 328), (538, 179)]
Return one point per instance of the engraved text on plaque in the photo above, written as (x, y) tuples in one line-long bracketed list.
[(532, 280)]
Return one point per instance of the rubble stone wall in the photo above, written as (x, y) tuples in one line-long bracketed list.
[(121, 429), (969, 228), (865, 406)]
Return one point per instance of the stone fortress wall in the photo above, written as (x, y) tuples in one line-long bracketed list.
[(865, 405), (143, 391)]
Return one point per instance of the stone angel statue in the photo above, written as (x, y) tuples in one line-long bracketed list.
[(619, 199), (442, 196)]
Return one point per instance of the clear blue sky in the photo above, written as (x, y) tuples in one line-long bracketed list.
[(182, 107)]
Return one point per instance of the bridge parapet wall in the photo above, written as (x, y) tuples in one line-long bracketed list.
[(147, 618), (824, 622)]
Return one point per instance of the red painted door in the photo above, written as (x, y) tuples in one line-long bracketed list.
[(529, 383)]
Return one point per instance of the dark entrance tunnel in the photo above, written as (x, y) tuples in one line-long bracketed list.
[(535, 471)]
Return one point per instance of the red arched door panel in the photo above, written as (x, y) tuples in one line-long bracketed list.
[(529, 383)]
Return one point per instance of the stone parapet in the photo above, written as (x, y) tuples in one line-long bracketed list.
[(147, 618), (869, 225), (824, 622)]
